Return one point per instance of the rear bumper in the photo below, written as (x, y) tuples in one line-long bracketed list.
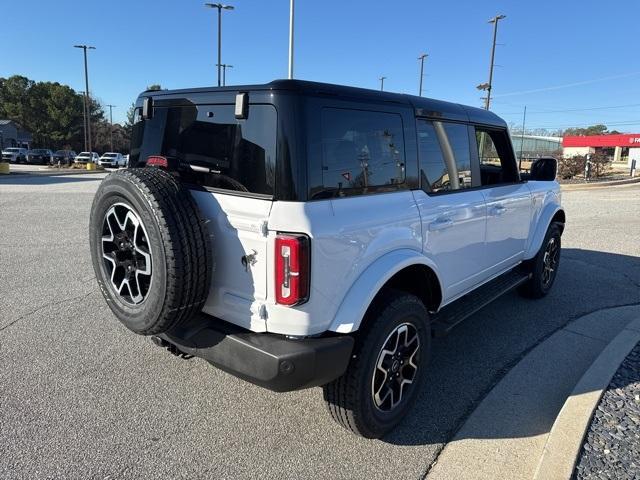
[(268, 360)]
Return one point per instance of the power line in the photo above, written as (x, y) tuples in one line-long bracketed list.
[(630, 105)]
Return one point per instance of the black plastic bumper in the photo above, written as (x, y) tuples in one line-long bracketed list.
[(268, 360)]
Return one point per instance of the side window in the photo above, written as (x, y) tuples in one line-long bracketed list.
[(362, 152), (445, 158), (497, 162)]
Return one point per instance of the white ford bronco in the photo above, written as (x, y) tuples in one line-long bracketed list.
[(298, 234)]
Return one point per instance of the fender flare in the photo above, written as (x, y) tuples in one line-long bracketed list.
[(355, 303), (549, 211)]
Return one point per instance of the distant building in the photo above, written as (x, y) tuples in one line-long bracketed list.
[(533, 146), (13, 135), (617, 146)]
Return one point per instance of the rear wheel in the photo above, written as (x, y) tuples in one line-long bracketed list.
[(150, 249), (386, 372), (544, 266)]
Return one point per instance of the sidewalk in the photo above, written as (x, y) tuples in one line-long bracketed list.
[(508, 433)]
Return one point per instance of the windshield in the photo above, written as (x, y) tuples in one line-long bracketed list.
[(11, 150), (211, 146), (61, 152), (39, 151), (110, 155), (84, 154)]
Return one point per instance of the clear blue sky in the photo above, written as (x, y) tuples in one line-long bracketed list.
[(587, 49)]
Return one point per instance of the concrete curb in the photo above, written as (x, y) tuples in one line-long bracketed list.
[(504, 438), (586, 186), (567, 434)]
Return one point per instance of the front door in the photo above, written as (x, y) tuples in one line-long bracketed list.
[(508, 200)]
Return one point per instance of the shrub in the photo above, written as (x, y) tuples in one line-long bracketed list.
[(569, 167)]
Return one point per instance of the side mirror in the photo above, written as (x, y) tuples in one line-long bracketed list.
[(147, 108), (544, 169)]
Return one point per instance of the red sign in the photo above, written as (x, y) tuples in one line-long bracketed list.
[(622, 140)]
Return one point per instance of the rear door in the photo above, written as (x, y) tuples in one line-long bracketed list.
[(453, 212), (508, 199), (230, 164)]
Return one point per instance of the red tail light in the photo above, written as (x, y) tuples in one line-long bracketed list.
[(157, 161), (292, 269)]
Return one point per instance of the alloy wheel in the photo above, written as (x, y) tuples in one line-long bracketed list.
[(550, 261), (126, 253), (396, 367)]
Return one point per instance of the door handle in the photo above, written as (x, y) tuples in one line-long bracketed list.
[(440, 224), (497, 210)]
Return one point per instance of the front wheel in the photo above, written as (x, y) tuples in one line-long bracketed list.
[(544, 266), (386, 372)]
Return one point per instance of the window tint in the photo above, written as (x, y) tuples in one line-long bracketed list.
[(445, 158), (497, 163), (361, 150), (211, 146)]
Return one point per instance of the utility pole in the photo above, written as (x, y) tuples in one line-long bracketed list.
[(421, 58), (87, 106), (291, 22), (382, 83), (224, 73), (487, 86), (111, 123), (220, 7)]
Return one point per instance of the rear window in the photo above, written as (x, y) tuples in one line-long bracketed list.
[(211, 146)]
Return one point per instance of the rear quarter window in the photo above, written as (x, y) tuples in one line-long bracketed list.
[(361, 152)]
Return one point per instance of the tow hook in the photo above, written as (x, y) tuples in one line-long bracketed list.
[(170, 347)]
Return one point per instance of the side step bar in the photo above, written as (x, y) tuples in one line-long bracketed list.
[(454, 313)]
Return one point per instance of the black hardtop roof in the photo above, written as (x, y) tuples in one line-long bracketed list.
[(424, 106)]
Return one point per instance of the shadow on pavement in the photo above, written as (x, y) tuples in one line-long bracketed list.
[(503, 333), (47, 179)]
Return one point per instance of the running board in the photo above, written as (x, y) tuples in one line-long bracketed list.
[(454, 313)]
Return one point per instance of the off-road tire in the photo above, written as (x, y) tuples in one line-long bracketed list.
[(349, 398), (178, 240), (536, 287)]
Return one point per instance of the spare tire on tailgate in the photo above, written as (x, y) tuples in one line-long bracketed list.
[(150, 249)]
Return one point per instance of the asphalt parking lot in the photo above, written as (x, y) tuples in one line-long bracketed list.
[(81, 397)]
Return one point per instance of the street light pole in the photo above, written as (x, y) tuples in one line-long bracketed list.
[(382, 83), (220, 7), (224, 73), (87, 99), (494, 20), (111, 122), (421, 58), (84, 118), (291, 21)]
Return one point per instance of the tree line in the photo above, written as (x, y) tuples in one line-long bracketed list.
[(53, 114)]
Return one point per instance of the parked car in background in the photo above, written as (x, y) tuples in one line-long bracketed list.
[(40, 155), (14, 155), (86, 157), (112, 159), (64, 156)]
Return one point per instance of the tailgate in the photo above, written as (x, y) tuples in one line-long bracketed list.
[(237, 226)]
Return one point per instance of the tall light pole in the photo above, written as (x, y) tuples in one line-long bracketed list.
[(84, 119), (382, 83), (220, 7), (224, 73), (487, 86), (291, 21), (421, 58), (111, 123), (87, 105)]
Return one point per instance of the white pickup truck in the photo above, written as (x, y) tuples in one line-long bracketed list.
[(298, 234)]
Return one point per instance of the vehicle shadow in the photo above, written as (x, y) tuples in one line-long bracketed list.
[(472, 359)]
